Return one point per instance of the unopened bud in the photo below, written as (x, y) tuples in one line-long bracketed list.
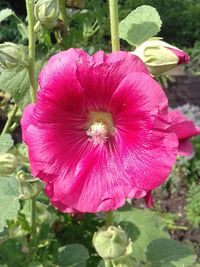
[(8, 163), (111, 242), (28, 185), (43, 215), (160, 56), (47, 12), (10, 55)]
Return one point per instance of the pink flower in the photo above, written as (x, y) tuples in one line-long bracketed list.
[(184, 129), (98, 132)]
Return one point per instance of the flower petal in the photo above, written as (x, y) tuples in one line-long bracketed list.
[(182, 126), (185, 148), (27, 120)]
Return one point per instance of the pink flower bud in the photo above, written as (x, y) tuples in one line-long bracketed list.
[(160, 56), (182, 56)]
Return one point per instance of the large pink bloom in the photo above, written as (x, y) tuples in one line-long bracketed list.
[(98, 132), (184, 129)]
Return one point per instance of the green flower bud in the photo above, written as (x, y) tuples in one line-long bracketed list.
[(10, 55), (159, 56), (43, 215), (111, 242), (28, 185), (8, 163), (127, 259), (47, 12)]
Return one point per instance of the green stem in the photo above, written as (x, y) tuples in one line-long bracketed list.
[(31, 59), (9, 120), (114, 27), (33, 85), (114, 24), (63, 15), (108, 263), (33, 217), (109, 218)]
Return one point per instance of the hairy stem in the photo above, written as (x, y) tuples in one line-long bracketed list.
[(31, 48), (114, 28), (33, 85), (9, 120), (114, 24)]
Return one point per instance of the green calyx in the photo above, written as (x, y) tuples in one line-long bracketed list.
[(10, 55), (8, 164), (47, 12), (28, 185), (112, 243), (156, 55)]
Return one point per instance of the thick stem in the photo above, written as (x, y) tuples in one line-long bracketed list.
[(114, 24), (33, 85), (9, 120), (114, 28), (31, 58), (63, 16)]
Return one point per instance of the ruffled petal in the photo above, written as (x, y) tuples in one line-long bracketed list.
[(96, 185), (58, 68), (149, 200), (184, 129), (182, 126)]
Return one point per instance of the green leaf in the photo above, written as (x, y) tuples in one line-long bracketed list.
[(101, 263), (74, 255), (142, 226), (140, 25), (6, 142), (23, 30), (169, 253), (35, 264), (11, 253), (5, 13), (16, 83), (9, 203)]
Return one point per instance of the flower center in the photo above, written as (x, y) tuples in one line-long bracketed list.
[(99, 126), (98, 133)]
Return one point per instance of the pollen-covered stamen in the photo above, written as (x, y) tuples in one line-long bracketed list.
[(98, 133)]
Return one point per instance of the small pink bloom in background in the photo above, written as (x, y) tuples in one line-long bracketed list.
[(98, 133), (184, 129)]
